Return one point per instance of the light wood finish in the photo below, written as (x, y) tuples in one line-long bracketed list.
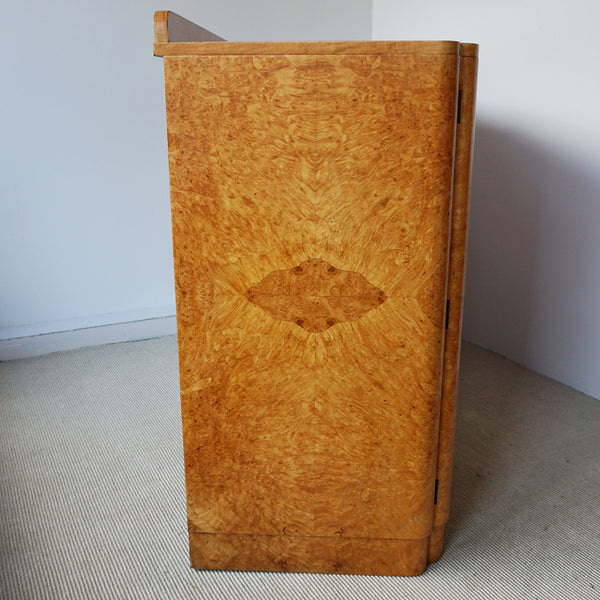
[(348, 555), (315, 295), (176, 36), (303, 48), (311, 205), (471, 50), (456, 283)]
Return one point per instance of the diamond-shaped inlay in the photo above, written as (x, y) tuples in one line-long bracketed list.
[(315, 295)]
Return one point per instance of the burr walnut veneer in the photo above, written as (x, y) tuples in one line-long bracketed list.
[(319, 203)]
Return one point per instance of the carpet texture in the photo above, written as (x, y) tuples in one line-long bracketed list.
[(92, 498)]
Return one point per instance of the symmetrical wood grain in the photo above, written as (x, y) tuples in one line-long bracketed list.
[(311, 202), (315, 295)]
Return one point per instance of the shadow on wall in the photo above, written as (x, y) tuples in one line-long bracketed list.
[(533, 267)]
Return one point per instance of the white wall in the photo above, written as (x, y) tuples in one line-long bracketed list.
[(533, 278), (84, 200)]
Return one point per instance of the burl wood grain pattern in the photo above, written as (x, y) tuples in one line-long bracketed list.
[(315, 295), (311, 203), (359, 556)]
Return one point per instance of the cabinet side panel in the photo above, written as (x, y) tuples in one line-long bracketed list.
[(310, 205), (456, 280)]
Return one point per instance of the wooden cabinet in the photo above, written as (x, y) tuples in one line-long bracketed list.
[(319, 204)]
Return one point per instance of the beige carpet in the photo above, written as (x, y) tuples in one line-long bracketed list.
[(92, 495)]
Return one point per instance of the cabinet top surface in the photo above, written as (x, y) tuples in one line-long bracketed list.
[(176, 36)]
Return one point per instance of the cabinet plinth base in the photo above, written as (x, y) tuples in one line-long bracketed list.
[(436, 544), (304, 554)]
